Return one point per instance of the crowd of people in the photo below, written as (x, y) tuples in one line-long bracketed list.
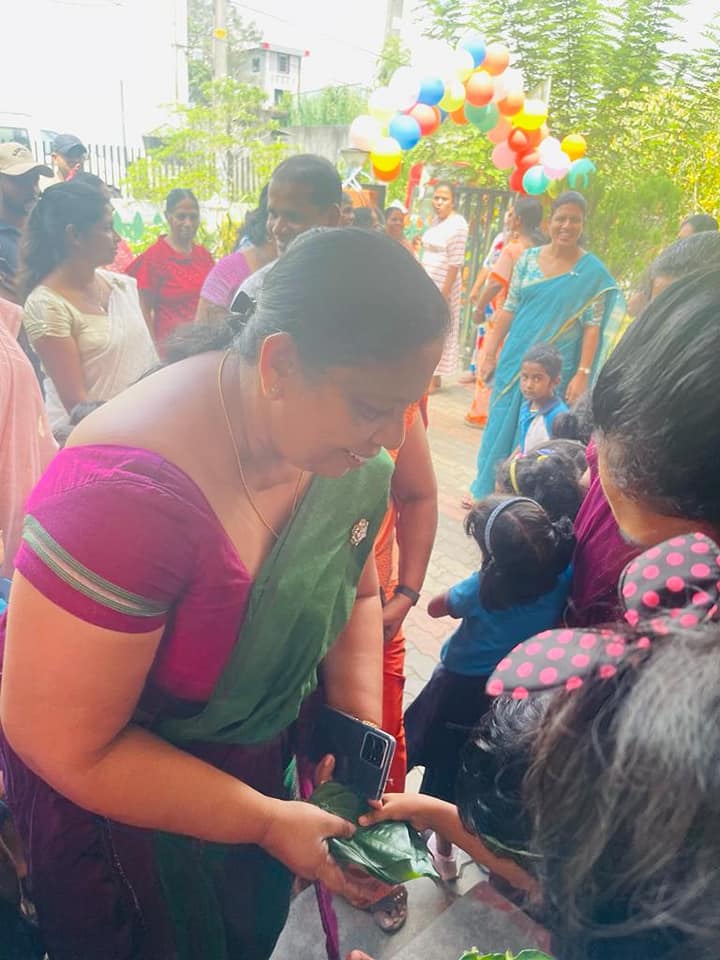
[(218, 506)]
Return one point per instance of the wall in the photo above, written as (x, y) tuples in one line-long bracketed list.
[(326, 141)]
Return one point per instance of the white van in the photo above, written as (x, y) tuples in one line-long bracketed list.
[(22, 128)]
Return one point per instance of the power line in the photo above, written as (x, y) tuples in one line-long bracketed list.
[(300, 26)]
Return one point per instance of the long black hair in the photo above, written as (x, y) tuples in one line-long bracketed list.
[(44, 243), (655, 403), (347, 297), (549, 474), (526, 554), (529, 211)]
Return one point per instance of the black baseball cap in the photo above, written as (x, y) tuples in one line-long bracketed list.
[(67, 143)]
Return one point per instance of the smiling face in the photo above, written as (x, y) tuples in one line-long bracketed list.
[(566, 226), (536, 384), (442, 202), (331, 421), (183, 221), (292, 210)]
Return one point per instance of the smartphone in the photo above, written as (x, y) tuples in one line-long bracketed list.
[(363, 753)]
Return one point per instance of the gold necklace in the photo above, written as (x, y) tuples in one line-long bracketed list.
[(238, 461)]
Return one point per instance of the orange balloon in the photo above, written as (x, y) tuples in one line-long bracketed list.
[(479, 89), (511, 103), (535, 137), (386, 176), (460, 117), (497, 58)]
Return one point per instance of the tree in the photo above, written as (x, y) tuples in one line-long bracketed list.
[(241, 35), (393, 55), (207, 144)]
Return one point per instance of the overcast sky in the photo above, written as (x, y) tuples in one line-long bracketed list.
[(65, 61)]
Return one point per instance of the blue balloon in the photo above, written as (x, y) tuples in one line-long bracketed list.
[(443, 114), (406, 130), (476, 47), (432, 90)]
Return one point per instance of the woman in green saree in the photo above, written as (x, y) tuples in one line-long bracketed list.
[(559, 294), (200, 550)]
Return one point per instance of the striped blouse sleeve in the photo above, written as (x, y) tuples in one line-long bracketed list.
[(457, 243), (115, 551)]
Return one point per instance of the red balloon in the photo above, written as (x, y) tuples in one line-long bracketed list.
[(526, 160), (518, 141), (427, 117), (536, 137), (516, 181), (511, 103), (479, 89)]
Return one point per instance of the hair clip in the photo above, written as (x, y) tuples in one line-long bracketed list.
[(677, 581)]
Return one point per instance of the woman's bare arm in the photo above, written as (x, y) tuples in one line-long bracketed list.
[(61, 361), (352, 669)]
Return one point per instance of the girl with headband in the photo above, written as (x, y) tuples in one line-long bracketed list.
[(521, 588)]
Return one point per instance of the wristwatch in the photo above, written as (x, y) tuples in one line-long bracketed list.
[(408, 592)]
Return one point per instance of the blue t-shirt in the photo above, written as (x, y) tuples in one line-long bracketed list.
[(485, 636), (536, 425)]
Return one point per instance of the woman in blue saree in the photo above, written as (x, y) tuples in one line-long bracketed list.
[(559, 294)]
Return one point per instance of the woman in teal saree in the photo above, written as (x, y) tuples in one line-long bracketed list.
[(559, 294), (192, 561)]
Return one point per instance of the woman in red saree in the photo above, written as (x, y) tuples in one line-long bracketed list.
[(190, 561)]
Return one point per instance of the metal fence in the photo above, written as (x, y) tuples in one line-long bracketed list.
[(111, 163)]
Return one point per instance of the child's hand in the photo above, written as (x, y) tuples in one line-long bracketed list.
[(414, 808), (438, 607)]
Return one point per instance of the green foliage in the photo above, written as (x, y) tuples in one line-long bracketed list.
[(207, 144), (393, 55), (650, 115), (241, 35), (332, 105)]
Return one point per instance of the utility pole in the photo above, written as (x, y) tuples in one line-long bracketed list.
[(220, 57), (393, 19)]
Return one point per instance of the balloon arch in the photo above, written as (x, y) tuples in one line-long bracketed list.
[(475, 85)]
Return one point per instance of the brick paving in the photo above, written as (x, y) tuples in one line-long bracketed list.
[(454, 448)]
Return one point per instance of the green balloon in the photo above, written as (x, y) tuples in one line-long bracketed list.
[(484, 118), (580, 173)]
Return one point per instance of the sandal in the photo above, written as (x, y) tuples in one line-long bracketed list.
[(390, 913)]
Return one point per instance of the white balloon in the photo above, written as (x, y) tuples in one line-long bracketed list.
[(549, 148), (364, 132), (404, 87), (510, 81), (463, 64), (557, 166), (381, 104)]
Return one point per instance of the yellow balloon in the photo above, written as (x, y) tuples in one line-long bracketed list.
[(574, 145), (454, 97), (532, 116), (386, 154)]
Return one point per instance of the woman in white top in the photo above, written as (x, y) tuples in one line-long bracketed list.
[(85, 323), (443, 256)]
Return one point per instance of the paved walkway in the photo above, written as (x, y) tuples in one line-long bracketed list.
[(454, 448)]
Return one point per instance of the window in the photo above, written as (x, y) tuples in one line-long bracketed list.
[(256, 64), (15, 135), (283, 63), (279, 94)]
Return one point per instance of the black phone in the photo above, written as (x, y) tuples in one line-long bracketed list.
[(363, 753)]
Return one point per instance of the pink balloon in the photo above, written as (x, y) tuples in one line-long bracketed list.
[(501, 131), (503, 157)]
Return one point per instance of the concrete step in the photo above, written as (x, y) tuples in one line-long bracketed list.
[(443, 921)]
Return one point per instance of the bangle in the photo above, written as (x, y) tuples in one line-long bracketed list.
[(586, 370), (408, 592)]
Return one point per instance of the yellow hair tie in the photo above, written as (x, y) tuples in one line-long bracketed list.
[(513, 476)]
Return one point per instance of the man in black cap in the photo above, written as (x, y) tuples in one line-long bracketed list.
[(68, 155)]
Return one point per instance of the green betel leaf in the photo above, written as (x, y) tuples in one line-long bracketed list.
[(391, 852)]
